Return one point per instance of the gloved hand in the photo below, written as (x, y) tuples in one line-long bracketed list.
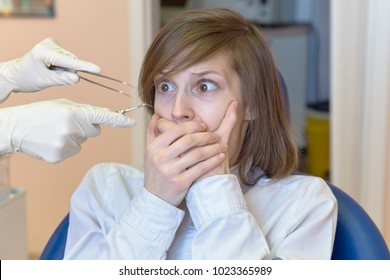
[(31, 73), (53, 130)]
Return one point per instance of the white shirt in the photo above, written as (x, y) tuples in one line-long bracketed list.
[(113, 216)]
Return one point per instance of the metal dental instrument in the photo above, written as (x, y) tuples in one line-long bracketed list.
[(106, 77), (123, 111)]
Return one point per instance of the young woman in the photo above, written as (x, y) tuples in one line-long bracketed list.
[(218, 177)]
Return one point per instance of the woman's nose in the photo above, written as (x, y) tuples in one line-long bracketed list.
[(181, 108)]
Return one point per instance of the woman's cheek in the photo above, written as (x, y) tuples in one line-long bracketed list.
[(213, 121), (161, 112)]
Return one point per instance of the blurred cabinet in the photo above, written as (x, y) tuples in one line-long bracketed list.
[(13, 229)]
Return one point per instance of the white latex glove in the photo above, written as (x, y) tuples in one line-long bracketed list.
[(31, 73), (53, 130)]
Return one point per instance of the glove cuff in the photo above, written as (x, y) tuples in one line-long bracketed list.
[(6, 86), (6, 125)]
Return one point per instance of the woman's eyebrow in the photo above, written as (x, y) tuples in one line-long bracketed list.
[(205, 73)]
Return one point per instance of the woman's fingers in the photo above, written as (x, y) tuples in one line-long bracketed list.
[(198, 155), (152, 131), (225, 128), (177, 131)]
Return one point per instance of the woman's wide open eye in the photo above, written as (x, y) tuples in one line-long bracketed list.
[(205, 86), (165, 87)]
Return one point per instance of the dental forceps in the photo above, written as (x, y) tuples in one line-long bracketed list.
[(123, 111)]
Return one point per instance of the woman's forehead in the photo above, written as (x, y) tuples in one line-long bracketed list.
[(218, 62)]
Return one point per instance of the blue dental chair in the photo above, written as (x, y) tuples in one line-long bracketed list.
[(357, 236), (55, 247)]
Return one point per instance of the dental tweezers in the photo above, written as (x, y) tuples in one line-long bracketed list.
[(106, 77), (123, 111)]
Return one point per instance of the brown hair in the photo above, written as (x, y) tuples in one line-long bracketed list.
[(196, 35)]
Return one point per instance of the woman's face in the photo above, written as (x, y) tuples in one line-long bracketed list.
[(202, 93)]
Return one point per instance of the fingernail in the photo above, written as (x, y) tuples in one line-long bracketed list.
[(221, 156)]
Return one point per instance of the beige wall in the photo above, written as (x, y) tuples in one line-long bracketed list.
[(96, 30)]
